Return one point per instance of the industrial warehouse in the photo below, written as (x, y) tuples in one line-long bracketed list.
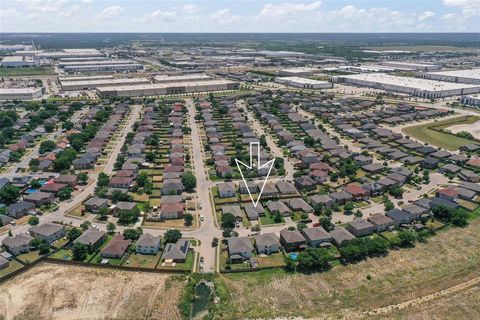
[(96, 83), (460, 76), (103, 67), (304, 83), (181, 78), (157, 89), (20, 93), (424, 88), (403, 65)]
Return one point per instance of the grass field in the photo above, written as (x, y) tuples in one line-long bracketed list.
[(448, 259), (425, 132), (26, 71)]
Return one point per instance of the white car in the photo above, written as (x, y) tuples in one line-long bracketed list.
[(202, 217)]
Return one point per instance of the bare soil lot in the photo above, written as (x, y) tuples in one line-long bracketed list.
[(449, 259), (50, 291)]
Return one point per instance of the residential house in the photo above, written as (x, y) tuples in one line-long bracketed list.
[(116, 248), (236, 211), (19, 209), (148, 244), (292, 240), (253, 212), (239, 249), (70, 180), (357, 192), (18, 244), (380, 222), (316, 237), (285, 187), (279, 206), (321, 200), (267, 243), (176, 252), (49, 232), (305, 183), (341, 197), (298, 204), (340, 235), (92, 238), (121, 182), (226, 190), (360, 228), (399, 217), (172, 210), (121, 206), (39, 198), (94, 204)]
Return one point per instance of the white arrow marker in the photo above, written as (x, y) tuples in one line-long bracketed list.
[(268, 164)]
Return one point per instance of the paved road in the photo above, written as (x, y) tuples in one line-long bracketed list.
[(274, 148), (207, 230)]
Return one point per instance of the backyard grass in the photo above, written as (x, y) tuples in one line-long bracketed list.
[(271, 260), (426, 132), (142, 260), (29, 257), (62, 254), (25, 71), (188, 265), (13, 266), (268, 219)]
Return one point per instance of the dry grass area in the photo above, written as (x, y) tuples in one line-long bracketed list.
[(50, 291), (463, 305), (450, 258)]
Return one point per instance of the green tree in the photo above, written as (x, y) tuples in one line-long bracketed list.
[(73, 234), (44, 248), (188, 218), (132, 234), (172, 236), (407, 238), (111, 227), (79, 252), (33, 221), (103, 180), (102, 214), (65, 193), (314, 259), (82, 178), (228, 221), (85, 225), (189, 181), (47, 146), (9, 194)]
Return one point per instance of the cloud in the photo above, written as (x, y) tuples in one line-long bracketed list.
[(71, 11), (426, 15), (163, 16), (41, 6), (190, 8), (224, 17), (351, 18), (469, 8), (9, 13), (270, 10), (109, 12)]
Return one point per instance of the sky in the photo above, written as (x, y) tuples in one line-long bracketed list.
[(239, 16)]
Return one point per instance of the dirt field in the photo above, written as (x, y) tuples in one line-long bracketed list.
[(449, 259), (50, 291)]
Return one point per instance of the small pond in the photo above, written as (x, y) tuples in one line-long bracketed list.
[(202, 297)]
